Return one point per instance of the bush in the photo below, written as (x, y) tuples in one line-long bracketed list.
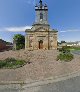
[(12, 63), (64, 49), (2, 64), (65, 57)]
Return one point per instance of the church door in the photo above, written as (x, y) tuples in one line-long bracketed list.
[(40, 44)]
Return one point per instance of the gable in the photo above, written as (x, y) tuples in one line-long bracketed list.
[(41, 29)]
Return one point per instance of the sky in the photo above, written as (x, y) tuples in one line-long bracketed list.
[(18, 15)]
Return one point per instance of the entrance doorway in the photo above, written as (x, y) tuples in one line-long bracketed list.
[(40, 44)]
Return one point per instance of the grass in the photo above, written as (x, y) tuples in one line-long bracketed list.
[(12, 63), (74, 48), (69, 48)]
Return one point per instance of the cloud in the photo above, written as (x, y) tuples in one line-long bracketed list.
[(62, 31), (17, 29), (73, 30)]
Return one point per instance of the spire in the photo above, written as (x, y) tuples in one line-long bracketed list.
[(40, 3)]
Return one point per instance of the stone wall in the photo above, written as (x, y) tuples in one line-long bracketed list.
[(49, 39)]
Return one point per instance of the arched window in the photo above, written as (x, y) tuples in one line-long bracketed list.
[(41, 16)]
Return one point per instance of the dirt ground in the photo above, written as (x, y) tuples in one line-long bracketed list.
[(43, 65)]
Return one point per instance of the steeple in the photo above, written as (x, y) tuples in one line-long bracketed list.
[(41, 13)]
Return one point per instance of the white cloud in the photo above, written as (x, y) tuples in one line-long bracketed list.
[(62, 31), (73, 30), (17, 29)]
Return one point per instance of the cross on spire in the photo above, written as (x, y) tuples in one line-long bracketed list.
[(40, 3)]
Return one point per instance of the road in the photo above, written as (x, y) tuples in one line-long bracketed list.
[(70, 85)]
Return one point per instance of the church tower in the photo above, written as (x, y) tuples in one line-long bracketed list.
[(41, 36), (41, 13)]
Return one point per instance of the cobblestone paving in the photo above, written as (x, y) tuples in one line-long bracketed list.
[(43, 65)]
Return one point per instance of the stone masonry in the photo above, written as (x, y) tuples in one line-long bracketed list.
[(41, 36)]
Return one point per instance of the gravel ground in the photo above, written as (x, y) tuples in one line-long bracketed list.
[(43, 65)]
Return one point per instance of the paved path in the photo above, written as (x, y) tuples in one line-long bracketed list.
[(43, 65), (69, 85), (76, 52), (10, 88)]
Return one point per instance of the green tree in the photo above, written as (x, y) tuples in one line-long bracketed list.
[(19, 40)]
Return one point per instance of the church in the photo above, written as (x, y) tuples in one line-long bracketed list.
[(41, 36)]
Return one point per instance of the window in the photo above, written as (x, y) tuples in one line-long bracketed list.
[(41, 16)]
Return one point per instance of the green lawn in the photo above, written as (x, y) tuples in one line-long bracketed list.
[(74, 48)]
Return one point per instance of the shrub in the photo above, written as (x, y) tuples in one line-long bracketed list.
[(65, 57), (64, 49), (2, 64), (12, 63)]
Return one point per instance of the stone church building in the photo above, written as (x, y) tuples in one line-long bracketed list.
[(41, 36)]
